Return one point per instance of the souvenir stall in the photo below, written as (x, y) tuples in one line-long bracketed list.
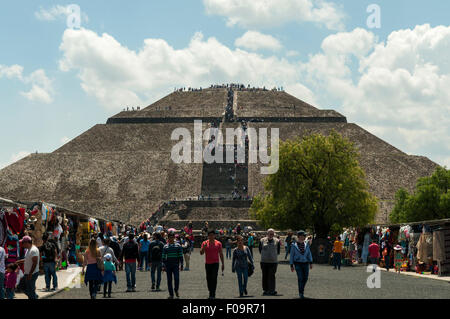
[(12, 227)]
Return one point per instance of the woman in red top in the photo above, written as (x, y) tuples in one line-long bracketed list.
[(212, 249)]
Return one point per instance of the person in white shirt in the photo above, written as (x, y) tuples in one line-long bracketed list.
[(31, 267), (2, 273)]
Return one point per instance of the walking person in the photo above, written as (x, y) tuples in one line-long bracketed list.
[(48, 252), (109, 275), (228, 247), (130, 253), (287, 243), (374, 254), (269, 248), (11, 280), (186, 245), (2, 272), (93, 275), (31, 267), (155, 256), (172, 259), (387, 254), (337, 253), (212, 249), (240, 264), (398, 258), (301, 260), (144, 244)]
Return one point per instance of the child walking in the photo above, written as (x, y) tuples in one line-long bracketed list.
[(398, 258), (109, 275), (11, 280)]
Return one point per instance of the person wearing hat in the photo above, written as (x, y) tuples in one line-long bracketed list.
[(172, 263), (398, 258), (31, 267), (109, 275), (269, 248), (301, 260), (212, 249)]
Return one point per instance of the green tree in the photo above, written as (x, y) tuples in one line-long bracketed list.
[(430, 200), (319, 185)]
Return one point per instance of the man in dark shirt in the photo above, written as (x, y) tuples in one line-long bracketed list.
[(130, 253), (155, 257)]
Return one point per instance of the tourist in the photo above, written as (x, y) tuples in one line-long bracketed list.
[(2, 272), (337, 253), (144, 244), (365, 248), (106, 249), (190, 235), (130, 253), (269, 248), (398, 258), (10, 280), (228, 243), (116, 249), (155, 256), (48, 252), (240, 264), (31, 267), (109, 275), (93, 275), (301, 260), (374, 254), (251, 243), (186, 245), (212, 249), (287, 244), (205, 229), (172, 259), (238, 229), (387, 254)]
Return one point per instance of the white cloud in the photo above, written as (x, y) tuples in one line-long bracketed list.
[(400, 88), (117, 76), (269, 13), (254, 40), (41, 86), (14, 158), (57, 12)]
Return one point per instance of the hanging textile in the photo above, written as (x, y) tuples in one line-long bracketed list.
[(12, 247), (3, 227), (45, 211), (425, 247)]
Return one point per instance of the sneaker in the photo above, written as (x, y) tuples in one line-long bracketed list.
[(153, 287), (245, 292), (54, 289), (170, 297), (47, 290), (302, 296), (133, 289), (177, 294)]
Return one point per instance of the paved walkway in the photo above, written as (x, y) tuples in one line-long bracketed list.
[(324, 283), (66, 279)]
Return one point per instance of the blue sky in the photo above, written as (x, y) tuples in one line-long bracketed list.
[(57, 82)]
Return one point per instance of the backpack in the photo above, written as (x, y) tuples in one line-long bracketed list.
[(156, 252), (48, 250)]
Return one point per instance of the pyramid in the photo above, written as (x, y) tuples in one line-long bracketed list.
[(122, 170)]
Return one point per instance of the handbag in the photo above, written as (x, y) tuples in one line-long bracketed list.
[(100, 264)]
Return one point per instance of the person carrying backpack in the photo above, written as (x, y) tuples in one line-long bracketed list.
[(155, 257), (130, 253), (49, 252)]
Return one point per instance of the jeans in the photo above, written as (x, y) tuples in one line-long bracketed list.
[(10, 293), (93, 288), (288, 251), (212, 271), (156, 266), (2, 286), (30, 286), (242, 275), (374, 262), (130, 270), (187, 258), (173, 269), (107, 288), (50, 271), (387, 261), (302, 270), (228, 252), (268, 276), (144, 257), (337, 260), (251, 250)]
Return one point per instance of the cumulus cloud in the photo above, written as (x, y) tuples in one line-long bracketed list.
[(41, 86), (118, 76), (400, 88), (270, 13), (57, 12), (254, 40)]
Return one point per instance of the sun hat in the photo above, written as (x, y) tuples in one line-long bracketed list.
[(108, 256), (398, 247), (26, 239), (301, 233)]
